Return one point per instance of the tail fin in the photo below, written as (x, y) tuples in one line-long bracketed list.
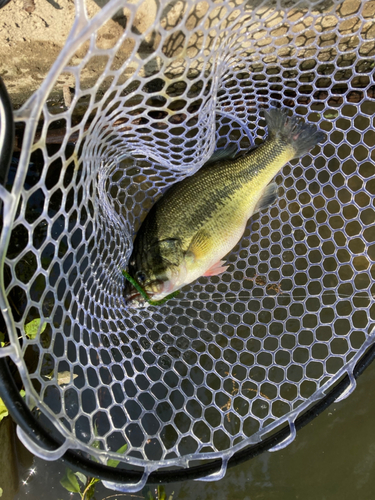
[(290, 129)]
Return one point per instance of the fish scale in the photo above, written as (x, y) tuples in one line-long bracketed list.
[(221, 187)]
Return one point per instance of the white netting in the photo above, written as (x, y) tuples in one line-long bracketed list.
[(233, 356)]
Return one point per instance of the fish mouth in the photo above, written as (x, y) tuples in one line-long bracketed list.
[(136, 299)]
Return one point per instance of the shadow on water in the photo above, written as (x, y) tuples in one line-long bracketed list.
[(15, 460)]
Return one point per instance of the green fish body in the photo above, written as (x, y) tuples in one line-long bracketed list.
[(199, 220)]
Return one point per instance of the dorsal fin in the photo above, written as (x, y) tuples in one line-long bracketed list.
[(228, 153)]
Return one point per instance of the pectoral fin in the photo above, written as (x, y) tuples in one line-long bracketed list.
[(269, 196), (200, 246), (217, 268)]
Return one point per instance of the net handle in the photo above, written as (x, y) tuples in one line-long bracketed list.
[(3, 3), (25, 419), (6, 132)]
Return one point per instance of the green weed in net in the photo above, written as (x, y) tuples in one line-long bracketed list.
[(138, 287)]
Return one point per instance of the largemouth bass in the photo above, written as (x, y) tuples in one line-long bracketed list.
[(199, 220)]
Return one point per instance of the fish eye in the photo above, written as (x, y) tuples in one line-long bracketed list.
[(140, 276)]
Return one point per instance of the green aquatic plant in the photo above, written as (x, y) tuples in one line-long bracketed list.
[(72, 485), (4, 410), (138, 287), (160, 494), (31, 331), (32, 328), (76, 482)]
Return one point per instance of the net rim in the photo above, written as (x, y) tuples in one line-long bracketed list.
[(6, 132)]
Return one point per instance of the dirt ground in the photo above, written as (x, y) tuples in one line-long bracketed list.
[(32, 34), (31, 37)]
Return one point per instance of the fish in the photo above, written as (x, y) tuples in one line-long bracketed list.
[(199, 220)]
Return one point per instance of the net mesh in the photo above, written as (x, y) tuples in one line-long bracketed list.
[(232, 357)]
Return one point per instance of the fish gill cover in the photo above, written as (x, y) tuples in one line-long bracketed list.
[(233, 356)]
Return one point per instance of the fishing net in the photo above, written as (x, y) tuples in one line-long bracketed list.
[(233, 357)]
